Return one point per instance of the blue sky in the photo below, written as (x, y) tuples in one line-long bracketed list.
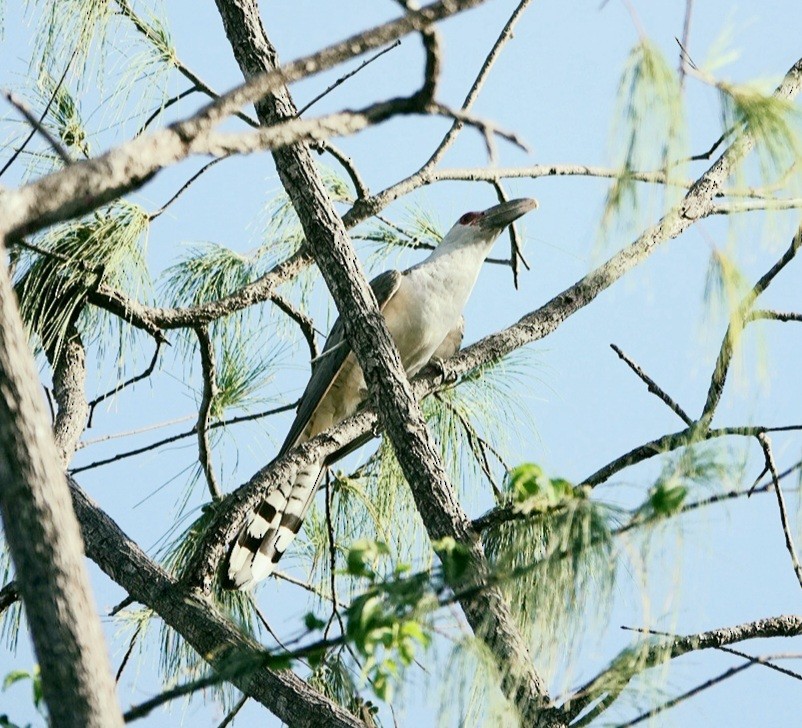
[(556, 86)]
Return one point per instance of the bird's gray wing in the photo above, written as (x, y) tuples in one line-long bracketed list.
[(328, 365), (446, 350)]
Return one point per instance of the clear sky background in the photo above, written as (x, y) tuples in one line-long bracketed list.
[(556, 86)]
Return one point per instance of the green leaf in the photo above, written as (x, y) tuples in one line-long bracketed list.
[(15, 676), (313, 622), (455, 558), (667, 500)]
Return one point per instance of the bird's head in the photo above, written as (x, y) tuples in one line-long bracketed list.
[(486, 226)]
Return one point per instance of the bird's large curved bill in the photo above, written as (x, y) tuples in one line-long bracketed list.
[(499, 216)]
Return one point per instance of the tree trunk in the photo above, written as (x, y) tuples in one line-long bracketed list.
[(45, 543)]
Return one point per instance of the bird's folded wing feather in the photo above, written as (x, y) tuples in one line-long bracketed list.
[(328, 365)]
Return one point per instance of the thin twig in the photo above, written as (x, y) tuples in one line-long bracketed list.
[(135, 431), (721, 368), (38, 126), (332, 558), (128, 653), (305, 323), (765, 443), (360, 187), (183, 435), (261, 617), (654, 388), (686, 34), (127, 602), (348, 75), (42, 118), (204, 413), (143, 709), (153, 215), (169, 102), (311, 588), (668, 704), (233, 712), (139, 377), (516, 251)]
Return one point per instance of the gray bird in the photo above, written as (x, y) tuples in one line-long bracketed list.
[(423, 310)]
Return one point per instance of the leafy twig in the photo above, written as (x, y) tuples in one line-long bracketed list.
[(50, 101)]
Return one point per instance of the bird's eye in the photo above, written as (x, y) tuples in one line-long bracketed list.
[(469, 218)]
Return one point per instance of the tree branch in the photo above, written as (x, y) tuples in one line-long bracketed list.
[(642, 657), (199, 622), (209, 369)]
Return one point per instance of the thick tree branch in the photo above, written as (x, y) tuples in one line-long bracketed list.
[(695, 205), (44, 540), (84, 186), (200, 623), (69, 382), (378, 358)]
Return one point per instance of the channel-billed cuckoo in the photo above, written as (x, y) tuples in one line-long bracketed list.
[(423, 310)]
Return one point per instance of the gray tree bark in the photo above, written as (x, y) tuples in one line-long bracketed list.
[(45, 542)]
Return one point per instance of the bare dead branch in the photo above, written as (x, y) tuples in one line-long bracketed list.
[(765, 444), (654, 388), (153, 215), (342, 79), (209, 369), (181, 436), (631, 662), (38, 126), (127, 383), (363, 209)]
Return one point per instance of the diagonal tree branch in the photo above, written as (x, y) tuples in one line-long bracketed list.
[(635, 660), (200, 623), (43, 537), (329, 244)]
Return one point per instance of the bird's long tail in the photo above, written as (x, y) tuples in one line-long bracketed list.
[(272, 527)]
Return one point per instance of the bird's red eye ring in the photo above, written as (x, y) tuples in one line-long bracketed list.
[(470, 217)]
